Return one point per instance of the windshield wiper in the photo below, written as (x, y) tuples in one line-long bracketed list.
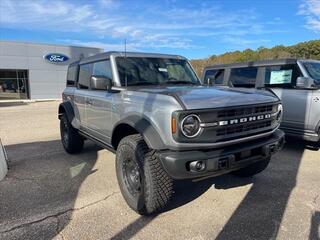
[(143, 84)]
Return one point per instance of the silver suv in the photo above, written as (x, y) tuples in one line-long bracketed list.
[(152, 110), (295, 82)]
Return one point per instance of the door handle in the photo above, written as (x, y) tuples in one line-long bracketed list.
[(89, 101)]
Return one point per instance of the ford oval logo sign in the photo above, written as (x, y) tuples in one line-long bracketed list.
[(56, 57)]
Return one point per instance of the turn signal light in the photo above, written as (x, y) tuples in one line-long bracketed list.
[(173, 125)]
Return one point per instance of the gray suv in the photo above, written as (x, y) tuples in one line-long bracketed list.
[(163, 124), (295, 82)]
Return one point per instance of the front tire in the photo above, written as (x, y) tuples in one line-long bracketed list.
[(252, 169), (144, 184), (71, 140)]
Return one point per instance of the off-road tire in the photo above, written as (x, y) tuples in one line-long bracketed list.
[(252, 169), (156, 186), (71, 140)]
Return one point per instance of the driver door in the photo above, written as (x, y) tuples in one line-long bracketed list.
[(99, 105)]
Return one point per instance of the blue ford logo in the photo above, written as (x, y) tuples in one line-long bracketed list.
[(56, 57)]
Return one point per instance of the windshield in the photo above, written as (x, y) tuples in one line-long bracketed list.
[(135, 71), (313, 68)]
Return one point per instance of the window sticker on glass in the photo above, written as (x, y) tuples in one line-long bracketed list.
[(281, 76), (163, 70)]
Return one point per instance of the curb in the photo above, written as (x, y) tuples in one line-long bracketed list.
[(3, 162)]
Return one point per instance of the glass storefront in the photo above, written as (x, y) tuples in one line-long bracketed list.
[(13, 84)]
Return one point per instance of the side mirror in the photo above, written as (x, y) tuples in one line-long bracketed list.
[(211, 80), (305, 82), (98, 82)]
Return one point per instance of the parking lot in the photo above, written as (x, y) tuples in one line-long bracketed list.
[(49, 194)]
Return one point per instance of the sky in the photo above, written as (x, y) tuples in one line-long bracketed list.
[(195, 29)]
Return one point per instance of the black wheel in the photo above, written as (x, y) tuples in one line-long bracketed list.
[(144, 184), (71, 140), (252, 169)]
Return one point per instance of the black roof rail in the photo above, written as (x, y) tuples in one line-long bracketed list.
[(268, 62)]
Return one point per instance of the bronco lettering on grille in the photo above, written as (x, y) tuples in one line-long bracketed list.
[(244, 120)]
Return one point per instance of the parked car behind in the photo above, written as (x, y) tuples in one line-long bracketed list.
[(295, 82)]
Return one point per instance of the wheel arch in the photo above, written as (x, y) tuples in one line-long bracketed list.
[(66, 107), (134, 125)]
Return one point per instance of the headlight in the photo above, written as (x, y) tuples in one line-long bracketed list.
[(280, 112), (190, 126)]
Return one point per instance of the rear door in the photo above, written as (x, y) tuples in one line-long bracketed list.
[(99, 104), (83, 89)]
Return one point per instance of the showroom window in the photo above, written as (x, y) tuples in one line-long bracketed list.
[(13, 84)]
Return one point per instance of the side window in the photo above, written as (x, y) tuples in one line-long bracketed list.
[(102, 68), (243, 77), (215, 76), (72, 75), (283, 76), (85, 73)]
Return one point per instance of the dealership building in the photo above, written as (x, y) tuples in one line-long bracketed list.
[(36, 71)]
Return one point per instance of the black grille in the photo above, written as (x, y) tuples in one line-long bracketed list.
[(243, 128), (248, 128), (239, 112)]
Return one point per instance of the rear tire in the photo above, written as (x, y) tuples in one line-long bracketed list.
[(252, 169), (144, 184), (71, 140)]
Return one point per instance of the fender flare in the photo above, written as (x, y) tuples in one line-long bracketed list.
[(66, 107), (145, 128)]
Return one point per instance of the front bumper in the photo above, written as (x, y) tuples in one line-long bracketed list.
[(220, 161)]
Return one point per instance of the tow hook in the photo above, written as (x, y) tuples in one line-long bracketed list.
[(223, 163)]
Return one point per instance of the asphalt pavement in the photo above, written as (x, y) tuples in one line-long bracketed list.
[(49, 194)]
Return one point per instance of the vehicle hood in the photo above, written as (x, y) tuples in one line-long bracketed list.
[(201, 97)]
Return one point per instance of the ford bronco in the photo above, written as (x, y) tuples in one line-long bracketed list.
[(164, 125), (296, 82)]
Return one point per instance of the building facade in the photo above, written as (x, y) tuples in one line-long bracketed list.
[(36, 71)]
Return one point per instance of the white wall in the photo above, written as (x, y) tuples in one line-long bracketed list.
[(46, 80)]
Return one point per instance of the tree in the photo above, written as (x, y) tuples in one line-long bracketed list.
[(309, 49)]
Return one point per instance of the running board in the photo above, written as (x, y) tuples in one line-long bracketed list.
[(97, 141)]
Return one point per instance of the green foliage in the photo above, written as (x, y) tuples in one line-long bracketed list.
[(309, 50)]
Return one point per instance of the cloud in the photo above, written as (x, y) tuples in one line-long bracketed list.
[(243, 42), (31, 11), (145, 25), (311, 10), (103, 45)]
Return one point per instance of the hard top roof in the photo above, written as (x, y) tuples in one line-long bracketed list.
[(269, 62), (106, 55)]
